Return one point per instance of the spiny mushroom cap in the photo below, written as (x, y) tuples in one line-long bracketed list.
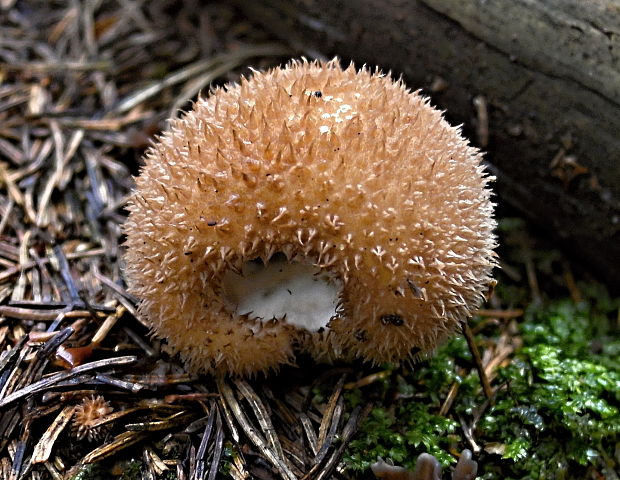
[(87, 415), (347, 170)]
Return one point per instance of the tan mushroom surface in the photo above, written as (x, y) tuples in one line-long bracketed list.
[(309, 208)]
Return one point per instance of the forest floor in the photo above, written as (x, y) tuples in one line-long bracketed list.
[(86, 393)]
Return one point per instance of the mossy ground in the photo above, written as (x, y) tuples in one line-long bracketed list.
[(554, 411), (74, 125), (550, 347)]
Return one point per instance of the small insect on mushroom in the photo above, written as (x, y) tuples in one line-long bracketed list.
[(310, 208)]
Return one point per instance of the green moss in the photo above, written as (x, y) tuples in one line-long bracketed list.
[(556, 408), (171, 475), (410, 425), (132, 470), (382, 436), (88, 472), (560, 404)]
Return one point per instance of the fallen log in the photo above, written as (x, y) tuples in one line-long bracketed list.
[(535, 83)]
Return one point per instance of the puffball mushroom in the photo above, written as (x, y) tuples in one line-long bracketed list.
[(309, 208)]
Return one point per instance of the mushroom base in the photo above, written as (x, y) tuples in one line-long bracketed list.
[(298, 293)]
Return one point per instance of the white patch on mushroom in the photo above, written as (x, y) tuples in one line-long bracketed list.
[(297, 292), (338, 115)]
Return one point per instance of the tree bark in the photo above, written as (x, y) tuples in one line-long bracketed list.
[(536, 83)]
